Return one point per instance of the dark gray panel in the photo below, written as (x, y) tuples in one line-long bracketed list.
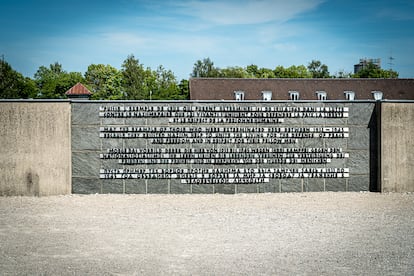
[(113, 186), (358, 183), (335, 185), (177, 188), (85, 164), (202, 189), (291, 185), (85, 138), (135, 187), (224, 188), (82, 185), (85, 114), (314, 185)]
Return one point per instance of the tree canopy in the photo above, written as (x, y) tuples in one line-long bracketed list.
[(136, 82), (14, 85)]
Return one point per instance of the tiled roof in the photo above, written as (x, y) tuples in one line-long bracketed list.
[(78, 89), (223, 89)]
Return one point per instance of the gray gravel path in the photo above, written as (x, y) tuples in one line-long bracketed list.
[(255, 234)]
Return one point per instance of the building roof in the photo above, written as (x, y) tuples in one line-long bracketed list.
[(78, 89), (224, 88)]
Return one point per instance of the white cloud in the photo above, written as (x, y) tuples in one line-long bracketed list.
[(248, 11)]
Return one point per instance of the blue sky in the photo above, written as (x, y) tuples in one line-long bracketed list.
[(176, 34)]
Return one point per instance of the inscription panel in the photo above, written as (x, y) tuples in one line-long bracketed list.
[(180, 146)]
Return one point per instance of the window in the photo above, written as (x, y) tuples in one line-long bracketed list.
[(377, 95), (266, 95), (294, 95), (349, 95), (321, 95), (239, 95)]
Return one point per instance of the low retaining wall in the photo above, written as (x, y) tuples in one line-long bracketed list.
[(50, 148), (35, 148)]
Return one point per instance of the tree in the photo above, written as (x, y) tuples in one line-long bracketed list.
[(137, 82), (105, 82), (184, 88), (205, 69), (53, 81), (318, 70), (234, 72), (292, 72), (167, 88), (14, 85), (373, 71)]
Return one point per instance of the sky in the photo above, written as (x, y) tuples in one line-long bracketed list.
[(175, 34)]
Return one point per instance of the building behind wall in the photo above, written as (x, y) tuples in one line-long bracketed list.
[(301, 89), (364, 62)]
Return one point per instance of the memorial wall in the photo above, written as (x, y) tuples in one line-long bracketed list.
[(223, 147)]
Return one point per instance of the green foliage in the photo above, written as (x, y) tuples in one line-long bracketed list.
[(292, 72), (13, 85), (234, 72), (373, 71), (134, 82), (105, 82), (184, 90), (205, 69), (137, 82), (318, 70), (53, 82)]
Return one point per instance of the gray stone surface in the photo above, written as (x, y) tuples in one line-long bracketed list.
[(358, 163), (86, 160), (85, 138), (335, 185), (314, 185), (85, 164), (360, 113), (359, 138), (358, 183), (85, 113), (291, 185), (83, 185), (135, 187)]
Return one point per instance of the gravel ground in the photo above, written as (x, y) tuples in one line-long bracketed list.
[(255, 234)]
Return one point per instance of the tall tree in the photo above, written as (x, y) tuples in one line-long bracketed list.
[(167, 88), (14, 85), (136, 81), (205, 69), (53, 81), (105, 82), (318, 70), (184, 87)]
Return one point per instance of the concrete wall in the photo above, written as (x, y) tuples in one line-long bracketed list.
[(35, 148), (397, 147), (87, 146)]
